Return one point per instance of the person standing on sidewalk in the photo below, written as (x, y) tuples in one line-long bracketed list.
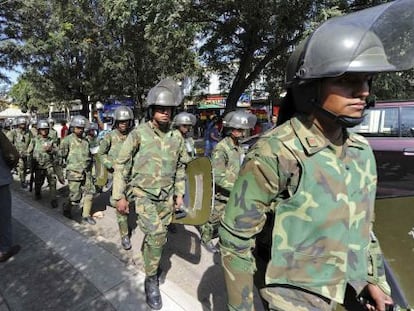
[(150, 174), (20, 137), (43, 152), (226, 160), (75, 151), (316, 177), (109, 148), (7, 249)]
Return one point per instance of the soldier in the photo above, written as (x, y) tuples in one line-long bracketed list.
[(92, 135), (109, 148), (149, 173), (52, 132), (317, 177), (21, 137), (33, 127), (74, 149), (183, 124), (6, 126), (226, 159), (43, 151)]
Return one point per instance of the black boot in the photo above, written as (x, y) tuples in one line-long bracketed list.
[(152, 292), (126, 242), (67, 210)]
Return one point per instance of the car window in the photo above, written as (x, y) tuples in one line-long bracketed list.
[(380, 122), (407, 121)]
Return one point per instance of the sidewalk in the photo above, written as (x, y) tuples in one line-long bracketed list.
[(65, 265)]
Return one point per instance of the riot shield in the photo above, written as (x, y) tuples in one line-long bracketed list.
[(198, 198), (100, 173)]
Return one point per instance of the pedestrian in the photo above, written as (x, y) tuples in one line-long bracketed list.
[(7, 249), (74, 149), (226, 160), (149, 173), (316, 178), (109, 148), (20, 137), (43, 151), (64, 129), (211, 135)]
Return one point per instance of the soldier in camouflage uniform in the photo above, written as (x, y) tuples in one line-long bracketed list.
[(52, 132), (319, 181), (33, 127), (149, 173), (183, 124), (109, 148), (226, 159), (74, 149), (21, 137), (43, 152)]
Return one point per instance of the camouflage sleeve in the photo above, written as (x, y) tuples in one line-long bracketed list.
[(219, 162), (179, 184), (31, 147), (376, 269), (123, 165), (244, 217), (103, 150), (64, 148)]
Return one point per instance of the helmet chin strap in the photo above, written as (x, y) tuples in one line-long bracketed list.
[(342, 120)]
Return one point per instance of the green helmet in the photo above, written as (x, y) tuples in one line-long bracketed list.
[(21, 120), (92, 126), (166, 93), (123, 113), (184, 118), (79, 121), (239, 120), (42, 124)]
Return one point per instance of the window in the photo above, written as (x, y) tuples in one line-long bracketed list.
[(380, 122), (407, 122)]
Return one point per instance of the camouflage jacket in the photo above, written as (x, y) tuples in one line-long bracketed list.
[(34, 131), (76, 152), (226, 161), (53, 134), (44, 159), (20, 139), (188, 143), (93, 141), (324, 209), (152, 162), (109, 147)]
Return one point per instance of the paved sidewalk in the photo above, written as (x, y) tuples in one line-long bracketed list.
[(59, 268)]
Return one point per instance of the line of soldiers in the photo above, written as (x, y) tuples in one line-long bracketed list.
[(147, 165)]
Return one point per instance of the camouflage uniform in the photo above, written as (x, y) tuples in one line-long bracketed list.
[(324, 208), (78, 172), (109, 148), (226, 159), (43, 165), (33, 130), (188, 143), (53, 134), (21, 140), (149, 172)]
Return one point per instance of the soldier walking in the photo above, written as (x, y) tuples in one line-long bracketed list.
[(183, 124), (149, 173), (75, 151), (109, 148), (43, 152), (226, 159), (21, 137)]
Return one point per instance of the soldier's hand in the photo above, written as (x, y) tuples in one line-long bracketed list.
[(122, 206), (178, 202), (380, 299)]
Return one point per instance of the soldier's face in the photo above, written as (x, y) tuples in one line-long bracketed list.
[(162, 114), (123, 125), (185, 128), (78, 131), (346, 95), (44, 132)]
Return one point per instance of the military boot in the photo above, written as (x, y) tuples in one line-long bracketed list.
[(152, 292), (67, 210), (126, 242)]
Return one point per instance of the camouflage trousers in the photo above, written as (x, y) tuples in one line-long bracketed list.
[(153, 218), (81, 187), (22, 167), (288, 298), (121, 219), (209, 229), (39, 178)]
